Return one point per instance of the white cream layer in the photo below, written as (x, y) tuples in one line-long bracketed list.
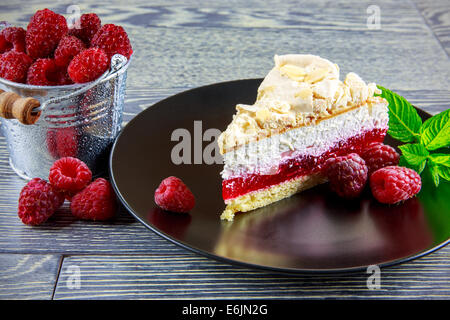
[(264, 156)]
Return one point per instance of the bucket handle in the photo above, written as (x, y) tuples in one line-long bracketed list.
[(27, 109)]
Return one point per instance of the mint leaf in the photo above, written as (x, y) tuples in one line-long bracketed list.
[(444, 172), (440, 159), (417, 168), (435, 132), (404, 121), (415, 154), (441, 164), (434, 173)]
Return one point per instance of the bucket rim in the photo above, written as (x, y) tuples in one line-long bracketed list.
[(24, 86)]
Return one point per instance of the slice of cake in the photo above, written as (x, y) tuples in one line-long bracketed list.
[(303, 114)]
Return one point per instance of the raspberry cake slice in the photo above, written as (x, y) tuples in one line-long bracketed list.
[(303, 114)]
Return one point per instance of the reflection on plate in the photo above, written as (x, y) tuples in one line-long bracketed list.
[(314, 231)]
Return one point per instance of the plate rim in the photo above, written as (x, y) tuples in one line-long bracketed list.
[(289, 271)]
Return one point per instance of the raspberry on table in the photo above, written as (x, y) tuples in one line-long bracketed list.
[(112, 39), (347, 175), (12, 38), (173, 195), (90, 23), (378, 155), (67, 49), (88, 65), (393, 184), (14, 66), (45, 30), (69, 175), (38, 200), (96, 202), (43, 72)]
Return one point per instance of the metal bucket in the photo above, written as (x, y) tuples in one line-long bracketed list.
[(80, 120)]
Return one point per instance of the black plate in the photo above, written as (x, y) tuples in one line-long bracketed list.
[(313, 231)]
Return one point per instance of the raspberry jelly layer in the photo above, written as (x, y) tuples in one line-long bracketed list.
[(299, 166)]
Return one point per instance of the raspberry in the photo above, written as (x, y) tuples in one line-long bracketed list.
[(173, 195), (379, 155), (14, 66), (112, 39), (44, 32), (38, 200), (96, 202), (88, 65), (69, 175), (68, 47), (63, 142), (4, 45), (62, 77), (43, 72), (66, 142), (393, 184), (12, 38), (89, 25), (347, 175)]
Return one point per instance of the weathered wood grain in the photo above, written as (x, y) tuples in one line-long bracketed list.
[(187, 43), (437, 17), (194, 277), (198, 42), (28, 276)]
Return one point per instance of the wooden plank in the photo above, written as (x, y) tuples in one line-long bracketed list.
[(437, 17), (194, 277), (322, 14), (193, 44), (28, 276), (64, 234), (433, 101), (393, 59), (140, 98)]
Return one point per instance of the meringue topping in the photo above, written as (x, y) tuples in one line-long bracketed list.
[(298, 91)]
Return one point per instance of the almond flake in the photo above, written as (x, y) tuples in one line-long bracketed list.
[(316, 75), (293, 72), (304, 93), (262, 114)]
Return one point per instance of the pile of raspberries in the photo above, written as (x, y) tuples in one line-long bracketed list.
[(48, 53), (376, 166), (69, 179)]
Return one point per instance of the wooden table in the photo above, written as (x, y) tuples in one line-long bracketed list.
[(188, 43)]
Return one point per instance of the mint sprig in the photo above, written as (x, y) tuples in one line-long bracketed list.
[(427, 143)]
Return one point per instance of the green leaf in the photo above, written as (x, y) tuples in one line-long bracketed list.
[(440, 159), (435, 132), (432, 168), (404, 121), (441, 164), (414, 154), (444, 172), (418, 168)]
